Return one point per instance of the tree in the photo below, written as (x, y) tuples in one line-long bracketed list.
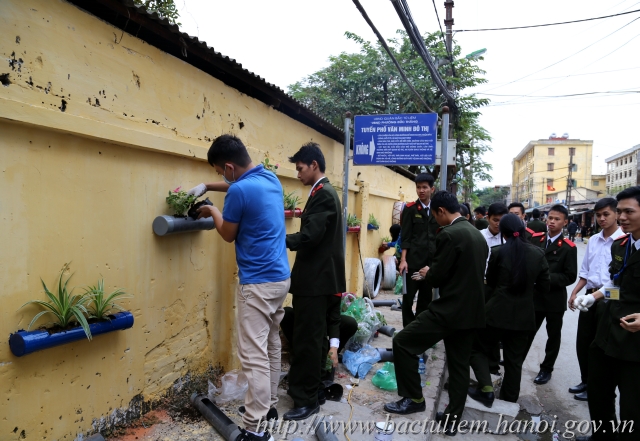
[(367, 83), (164, 8), (489, 195)]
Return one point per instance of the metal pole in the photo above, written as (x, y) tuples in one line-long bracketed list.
[(448, 22), (345, 179), (444, 137)]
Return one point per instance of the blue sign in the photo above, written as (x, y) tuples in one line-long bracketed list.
[(404, 139)]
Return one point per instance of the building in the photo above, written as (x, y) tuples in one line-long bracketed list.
[(622, 170), (577, 194), (542, 168)]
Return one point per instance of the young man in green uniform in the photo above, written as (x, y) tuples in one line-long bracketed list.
[(458, 270), (481, 223), (518, 209), (317, 281), (562, 256), (536, 224), (418, 245), (614, 355)]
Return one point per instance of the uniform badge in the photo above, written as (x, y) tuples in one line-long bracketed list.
[(619, 258)]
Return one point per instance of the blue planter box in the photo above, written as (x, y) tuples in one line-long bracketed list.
[(26, 342), (372, 227)]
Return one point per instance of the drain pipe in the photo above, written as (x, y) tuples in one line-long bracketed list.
[(384, 302), (387, 330), (222, 423), (324, 434)]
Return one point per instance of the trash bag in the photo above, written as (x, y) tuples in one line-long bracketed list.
[(362, 361), (347, 300), (357, 309), (398, 287), (385, 378), (234, 386), (368, 323)]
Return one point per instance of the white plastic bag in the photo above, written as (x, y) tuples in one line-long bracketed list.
[(234, 386)]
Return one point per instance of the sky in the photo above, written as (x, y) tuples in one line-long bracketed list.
[(528, 71)]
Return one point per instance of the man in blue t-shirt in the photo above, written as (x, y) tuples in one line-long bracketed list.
[(252, 217)]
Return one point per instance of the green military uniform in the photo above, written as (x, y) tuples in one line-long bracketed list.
[(528, 234), (614, 355), (458, 271), (318, 274), (537, 225), (419, 239), (562, 257), (481, 224), (510, 317)]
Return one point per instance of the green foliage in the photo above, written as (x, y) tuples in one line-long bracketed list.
[(270, 166), (386, 239), (65, 307), (180, 201), (489, 195), (100, 303), (353, 221), (373, 221), (164, 8), (290, 201)]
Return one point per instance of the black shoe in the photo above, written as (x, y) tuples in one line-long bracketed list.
[(582, 396), (577, 389), (271, 415), (301, 413), (246, 436), (485, 398), (451, 429), (543, 377), (405, 406)]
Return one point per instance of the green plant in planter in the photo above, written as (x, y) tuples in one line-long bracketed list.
[(290, 201), (100, 303), (270, 166), (373, 221), (386, 239), (353, 221), (180, 201), (66, 308)]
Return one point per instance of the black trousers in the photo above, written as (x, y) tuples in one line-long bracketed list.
[(587, 324), (605, 374), (424, 297), (420, 335), (515, 345), (554, 337)]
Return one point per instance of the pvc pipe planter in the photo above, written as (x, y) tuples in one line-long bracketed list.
[(166, 225), (372, 227), (353, 229), (26, 342), (289, 214)]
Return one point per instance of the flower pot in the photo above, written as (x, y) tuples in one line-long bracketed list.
[(26, 342), (382, 249), (288, 214), (165, 225), (355, 229), (372, 227)]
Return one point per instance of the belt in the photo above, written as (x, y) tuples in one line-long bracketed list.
[(592, 290)]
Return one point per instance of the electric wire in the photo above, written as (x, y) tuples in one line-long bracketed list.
[(549, 24), (393, 58)]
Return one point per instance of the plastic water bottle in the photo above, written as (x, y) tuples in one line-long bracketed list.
[(422, 370)]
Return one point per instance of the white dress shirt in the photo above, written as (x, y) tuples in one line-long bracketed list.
[(492, 240), (597, 257), (314, 185), (552, 239)]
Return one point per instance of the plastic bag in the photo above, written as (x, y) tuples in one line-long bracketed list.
[(362, 361), (347, 300), (385, 378), (234, 386), (212, 391), (398, 287), (357, 309)]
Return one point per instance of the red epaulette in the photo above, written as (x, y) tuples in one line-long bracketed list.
[(571, 244), (625, 237), (530, 231), (410, 204), (315, 190), (538, 235)]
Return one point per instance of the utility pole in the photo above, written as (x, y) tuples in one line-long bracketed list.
[(448, 22), (570, 180), (444, 169)]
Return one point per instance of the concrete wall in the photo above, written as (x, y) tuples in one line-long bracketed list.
[(97, 126)]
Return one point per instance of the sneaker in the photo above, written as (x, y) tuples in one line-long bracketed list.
[(246, 436)]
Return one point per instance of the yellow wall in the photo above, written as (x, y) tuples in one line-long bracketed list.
[(84, 185)]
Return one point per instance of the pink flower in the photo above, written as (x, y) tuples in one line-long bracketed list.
[(177, 190), (277, 165)]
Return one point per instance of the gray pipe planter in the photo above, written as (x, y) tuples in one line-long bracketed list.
[(166, 225)]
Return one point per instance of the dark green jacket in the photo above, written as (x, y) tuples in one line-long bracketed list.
[(481, 224), (418, 235), (458, 270), (538, 226), (509, 308), (562, 257), (616, 341), (319, 268)]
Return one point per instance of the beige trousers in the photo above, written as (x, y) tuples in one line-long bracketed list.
[(259, 314)]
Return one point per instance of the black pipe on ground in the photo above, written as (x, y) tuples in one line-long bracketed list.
[(387, 330), (384, 302), (386, 354), (324, 434), (222, 423)]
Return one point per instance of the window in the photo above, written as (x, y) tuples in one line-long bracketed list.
[(550, 183), (625, 160), (552, 151), (572, 151), (625, 174), (550, 166), (574, 167), (596, 183)]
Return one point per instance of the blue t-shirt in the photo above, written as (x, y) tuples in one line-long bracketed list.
[(256, 204)]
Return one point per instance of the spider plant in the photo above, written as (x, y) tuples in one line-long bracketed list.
[(353, 221), (373, 221), (66, 308), (100, 303), (290, 201)]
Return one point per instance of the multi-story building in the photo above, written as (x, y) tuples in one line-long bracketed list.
[(622, 170), (542, 169)]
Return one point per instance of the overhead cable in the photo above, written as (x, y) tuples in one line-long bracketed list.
[(393, 58), (549, 24)]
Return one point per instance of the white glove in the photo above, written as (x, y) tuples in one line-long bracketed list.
[(416, 276), (583, 303), (198, 190)]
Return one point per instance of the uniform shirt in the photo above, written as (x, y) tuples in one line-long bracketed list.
[(553, 239), (492, 240), (595, 265)]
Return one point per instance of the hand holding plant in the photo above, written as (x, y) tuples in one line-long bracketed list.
[(180, 201)]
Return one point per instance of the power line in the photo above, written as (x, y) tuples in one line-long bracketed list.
[(549, 24), (579, 75), (564, 96)]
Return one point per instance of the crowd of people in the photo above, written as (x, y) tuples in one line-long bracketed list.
[(482, 282)]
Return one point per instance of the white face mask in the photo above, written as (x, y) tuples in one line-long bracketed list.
[(225, 177)]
